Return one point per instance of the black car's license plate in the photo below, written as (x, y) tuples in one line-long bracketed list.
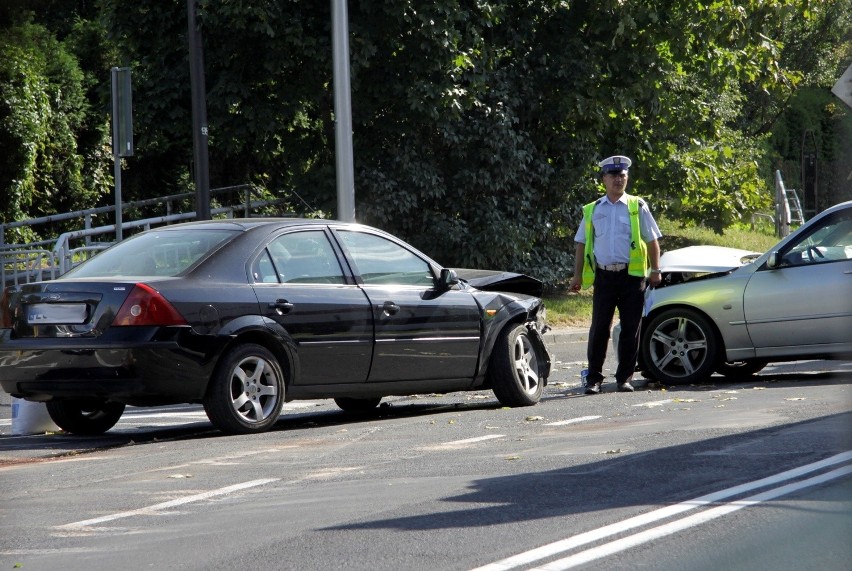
[(56, 313)]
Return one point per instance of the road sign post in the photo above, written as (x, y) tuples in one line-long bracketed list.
[(122, 132)]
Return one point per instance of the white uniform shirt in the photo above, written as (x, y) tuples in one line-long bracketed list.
[(611, 223)]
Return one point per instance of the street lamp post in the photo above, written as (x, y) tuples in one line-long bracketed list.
[(342, 112)]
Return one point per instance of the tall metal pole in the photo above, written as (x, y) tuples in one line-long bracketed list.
[(199, 116), (122, 134), (342, 112), (119, 235)]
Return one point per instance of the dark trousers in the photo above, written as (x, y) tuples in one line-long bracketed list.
[(626, 293)]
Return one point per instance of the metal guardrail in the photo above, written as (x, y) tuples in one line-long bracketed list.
[(88, 214), (49, 259)]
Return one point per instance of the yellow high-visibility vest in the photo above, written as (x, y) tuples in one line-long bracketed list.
[(638, 264)]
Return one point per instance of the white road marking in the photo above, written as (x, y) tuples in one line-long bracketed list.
[(167, 415), (687, 522), (575, 541), (654, 403), (152, 510), (572, 420), (131, 416), (477, 439), (456, 444)]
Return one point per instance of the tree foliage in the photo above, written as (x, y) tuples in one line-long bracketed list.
[(52, 127), (477, 124)]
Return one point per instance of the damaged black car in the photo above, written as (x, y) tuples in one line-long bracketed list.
[(244, 315)]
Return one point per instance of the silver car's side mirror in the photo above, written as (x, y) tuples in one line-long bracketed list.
[(772, 261)]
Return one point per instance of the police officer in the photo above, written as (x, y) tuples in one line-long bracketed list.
[(617, 251)]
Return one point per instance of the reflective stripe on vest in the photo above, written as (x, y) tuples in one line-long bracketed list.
[(638, 264)]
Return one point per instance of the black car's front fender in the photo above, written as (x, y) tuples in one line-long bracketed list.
[(505, 310)]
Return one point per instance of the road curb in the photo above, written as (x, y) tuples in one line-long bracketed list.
[(566, 335)]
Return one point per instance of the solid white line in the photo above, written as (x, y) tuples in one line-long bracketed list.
[(694, 520), (569, 543), (151, 510), (571, 421)]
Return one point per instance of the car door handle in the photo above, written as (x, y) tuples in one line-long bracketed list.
[(390, 308), (281, 306)]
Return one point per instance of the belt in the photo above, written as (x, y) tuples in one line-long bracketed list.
[(613, 267)]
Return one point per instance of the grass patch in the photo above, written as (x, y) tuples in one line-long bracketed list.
[(566, 309)]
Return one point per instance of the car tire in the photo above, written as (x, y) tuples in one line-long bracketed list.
[(86, 418), (679, 346), (356, 405), (741, 369), (514, 371), (246, 391)]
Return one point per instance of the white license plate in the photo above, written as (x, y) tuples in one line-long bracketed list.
[(56, 313)]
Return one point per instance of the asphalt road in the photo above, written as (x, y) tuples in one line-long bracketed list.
[(747, 475)]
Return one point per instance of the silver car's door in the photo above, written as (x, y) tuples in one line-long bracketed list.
[(806, 301)]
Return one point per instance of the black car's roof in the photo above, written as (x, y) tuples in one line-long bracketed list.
[(248, 223)]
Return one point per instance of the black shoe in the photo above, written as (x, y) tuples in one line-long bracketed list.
[(625, 387), (593, 389)]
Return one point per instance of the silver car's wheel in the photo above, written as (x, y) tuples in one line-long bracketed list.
[(514, 369), (246, 392), (679, 346)]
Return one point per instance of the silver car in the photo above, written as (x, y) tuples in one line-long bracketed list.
[(794, 302)]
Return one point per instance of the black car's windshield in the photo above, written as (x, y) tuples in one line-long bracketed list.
[(154, 253)]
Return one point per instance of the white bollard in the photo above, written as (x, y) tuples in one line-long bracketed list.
[(31, 418)]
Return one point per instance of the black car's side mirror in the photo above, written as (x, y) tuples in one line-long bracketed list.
[(448, 279)]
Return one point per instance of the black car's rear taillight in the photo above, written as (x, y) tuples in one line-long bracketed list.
[(145, 306)]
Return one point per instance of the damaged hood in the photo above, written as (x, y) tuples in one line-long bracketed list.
[(705, 259), (495, 280)]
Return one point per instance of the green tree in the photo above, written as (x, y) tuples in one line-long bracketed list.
[(42, 109), (477, 125), (53, 130)]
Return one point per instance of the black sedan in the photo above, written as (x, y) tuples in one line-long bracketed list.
[(243, 315)]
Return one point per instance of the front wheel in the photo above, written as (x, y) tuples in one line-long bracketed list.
[(246, 392), (87, 418), (679, 346), (515, 368)]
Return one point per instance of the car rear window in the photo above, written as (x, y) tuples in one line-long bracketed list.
[(154, 253)]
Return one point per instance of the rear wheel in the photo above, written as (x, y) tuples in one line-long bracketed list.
[(514, 370), (246, 392), (87, 418), (349, 404), (679, 346)]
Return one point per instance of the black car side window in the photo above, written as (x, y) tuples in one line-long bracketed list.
[(262, 270), (381, 261), (305, 257)]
